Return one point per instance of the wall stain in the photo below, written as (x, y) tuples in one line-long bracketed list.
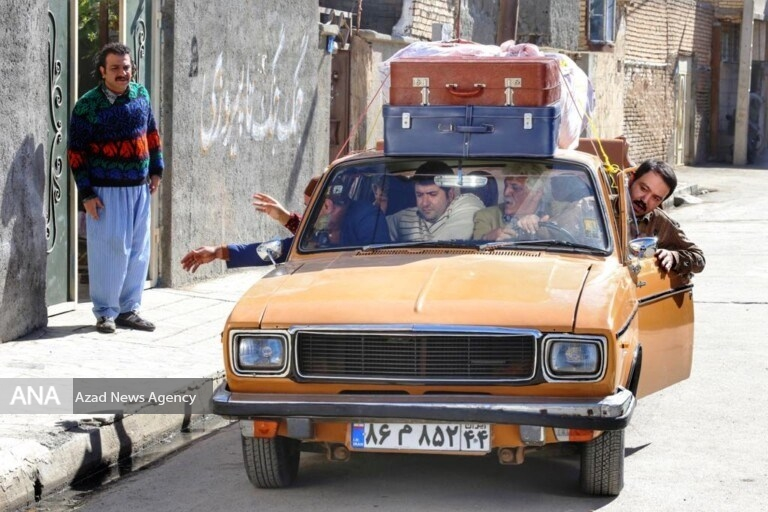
[(194, 55), (250, 105)]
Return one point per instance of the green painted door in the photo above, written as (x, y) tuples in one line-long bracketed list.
[(59, 272), (138, 36), (139, 32)]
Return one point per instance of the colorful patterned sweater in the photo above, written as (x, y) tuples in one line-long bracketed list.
[(113, 145)]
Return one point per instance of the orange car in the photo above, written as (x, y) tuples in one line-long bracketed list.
[(456, 306)]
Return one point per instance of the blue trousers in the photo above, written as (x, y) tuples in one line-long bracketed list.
[(118, 250)]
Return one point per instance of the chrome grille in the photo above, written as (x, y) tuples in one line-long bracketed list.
[(418, 357)]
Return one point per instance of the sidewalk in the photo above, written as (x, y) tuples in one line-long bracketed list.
[(41, 454)]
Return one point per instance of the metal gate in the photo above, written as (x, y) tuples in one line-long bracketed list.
[(58, 229), (138, 28), (137, 32)]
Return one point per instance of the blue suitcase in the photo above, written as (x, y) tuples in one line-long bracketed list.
[(470, 131)]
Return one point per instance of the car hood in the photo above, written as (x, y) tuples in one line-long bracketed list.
[(523, 290)]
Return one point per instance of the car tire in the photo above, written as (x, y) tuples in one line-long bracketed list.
[(602, 464), (271, 463)]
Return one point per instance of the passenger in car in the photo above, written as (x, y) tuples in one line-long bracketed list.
[(441, 213), (572, 207), (344, 221), (506, 221), (380, 194), (650, 185)]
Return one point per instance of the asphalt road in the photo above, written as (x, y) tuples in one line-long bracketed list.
[(696, 446)]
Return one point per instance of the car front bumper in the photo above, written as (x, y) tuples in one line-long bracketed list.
[(608, 413)]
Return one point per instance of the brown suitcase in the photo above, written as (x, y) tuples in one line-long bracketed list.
[(487, 81)]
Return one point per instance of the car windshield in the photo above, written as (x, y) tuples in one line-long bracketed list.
[(486, 205)]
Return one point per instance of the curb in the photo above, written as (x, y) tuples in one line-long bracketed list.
[(93, 450), (682, 192)]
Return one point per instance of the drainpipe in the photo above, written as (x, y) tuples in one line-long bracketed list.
[(742, 94), (714, 92)]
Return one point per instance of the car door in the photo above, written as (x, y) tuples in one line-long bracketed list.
[(665, 314)]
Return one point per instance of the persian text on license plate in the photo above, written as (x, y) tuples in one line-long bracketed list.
[(446, 437)]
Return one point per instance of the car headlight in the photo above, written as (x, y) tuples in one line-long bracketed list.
[(263, 353), (576, 358)]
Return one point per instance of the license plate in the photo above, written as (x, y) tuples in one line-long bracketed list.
[(427, 437)]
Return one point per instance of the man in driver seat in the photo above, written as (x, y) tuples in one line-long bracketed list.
[(506, 221), (441, 213)]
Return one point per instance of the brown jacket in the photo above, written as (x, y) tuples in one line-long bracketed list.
[(689, 258)]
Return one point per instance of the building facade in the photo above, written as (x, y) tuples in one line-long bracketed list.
[(665, 73), (241, 93)]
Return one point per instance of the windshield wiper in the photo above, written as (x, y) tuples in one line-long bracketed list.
[(537, 244), (421, 243)]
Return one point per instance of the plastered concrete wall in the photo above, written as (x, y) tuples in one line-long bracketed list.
[(23, 115), (245, 108), (549, 23), (478, 20)]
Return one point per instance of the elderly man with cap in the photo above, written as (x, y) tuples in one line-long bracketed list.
[(501, 222), (441, 213)]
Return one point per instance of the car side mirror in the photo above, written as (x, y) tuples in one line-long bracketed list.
[(644, 247), (640, 249), (271, 250)]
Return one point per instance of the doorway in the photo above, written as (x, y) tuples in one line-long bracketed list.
[(100, 22), (339, 110)]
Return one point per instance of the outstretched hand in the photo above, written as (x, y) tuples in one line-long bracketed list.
[(193, 259), (271, 206)]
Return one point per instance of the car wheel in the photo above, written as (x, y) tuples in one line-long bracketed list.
[(602, 464), (271, 463)]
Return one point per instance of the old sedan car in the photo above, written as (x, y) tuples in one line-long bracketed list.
[(466, 306)]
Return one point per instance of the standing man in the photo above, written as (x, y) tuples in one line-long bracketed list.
[(117, 161)]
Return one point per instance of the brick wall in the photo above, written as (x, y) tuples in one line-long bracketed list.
[(657, 35), (702, 61), (427, 12)]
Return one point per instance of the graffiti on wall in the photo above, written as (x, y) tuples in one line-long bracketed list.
[(250, 104)]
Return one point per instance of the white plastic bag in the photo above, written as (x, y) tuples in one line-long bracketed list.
[(577, 101)]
